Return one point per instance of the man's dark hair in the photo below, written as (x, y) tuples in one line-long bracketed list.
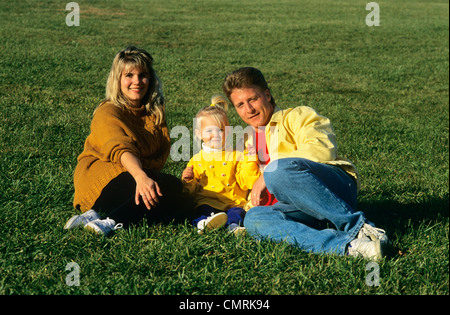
[(244, 78)]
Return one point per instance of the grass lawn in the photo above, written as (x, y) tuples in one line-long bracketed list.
[(385, 89)]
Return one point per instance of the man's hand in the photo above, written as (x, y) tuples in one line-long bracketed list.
[(257, 190)]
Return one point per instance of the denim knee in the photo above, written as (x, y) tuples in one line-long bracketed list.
[(277, 170), (251, 218), (282, 176)]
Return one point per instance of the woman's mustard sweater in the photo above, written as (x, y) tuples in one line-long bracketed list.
[(113, 132)]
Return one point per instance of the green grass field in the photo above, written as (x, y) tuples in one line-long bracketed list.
[(385, 89)]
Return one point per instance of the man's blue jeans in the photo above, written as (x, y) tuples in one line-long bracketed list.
[(315, 209)]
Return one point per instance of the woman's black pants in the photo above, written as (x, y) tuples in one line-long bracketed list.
[(117, 201)]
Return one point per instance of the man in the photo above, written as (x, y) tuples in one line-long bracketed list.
[(316, 189)]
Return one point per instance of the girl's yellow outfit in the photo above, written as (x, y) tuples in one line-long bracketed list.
[(222, 179)]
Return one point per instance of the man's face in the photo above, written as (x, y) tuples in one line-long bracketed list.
[(252, 105)]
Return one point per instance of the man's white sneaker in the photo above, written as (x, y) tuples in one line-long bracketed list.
[(373, 233), (213, 222), (103, 227), (366, 248), (81, 220)]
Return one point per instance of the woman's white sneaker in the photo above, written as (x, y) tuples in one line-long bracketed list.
[(103, 227), (82, 219)]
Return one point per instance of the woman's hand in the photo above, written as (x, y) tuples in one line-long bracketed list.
[(148, 189), (257, 190)]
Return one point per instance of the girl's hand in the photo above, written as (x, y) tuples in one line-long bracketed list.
[(188, 174), (148, 190)]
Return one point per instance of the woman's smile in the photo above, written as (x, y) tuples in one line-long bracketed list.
[(134, 85)]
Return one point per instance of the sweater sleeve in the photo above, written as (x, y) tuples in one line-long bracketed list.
[(110, 136)]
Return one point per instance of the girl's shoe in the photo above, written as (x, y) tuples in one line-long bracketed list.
[(81, 220), (103, 227), (213, 222)]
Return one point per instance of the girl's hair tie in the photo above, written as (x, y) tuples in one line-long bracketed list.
[(219, 101)]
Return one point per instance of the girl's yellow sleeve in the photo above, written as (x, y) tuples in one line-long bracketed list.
[(247, 172), (193, 185)]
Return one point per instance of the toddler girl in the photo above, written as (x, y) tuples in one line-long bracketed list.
[(219, 178)]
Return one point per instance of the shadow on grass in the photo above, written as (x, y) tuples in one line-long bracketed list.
[(401, 218)]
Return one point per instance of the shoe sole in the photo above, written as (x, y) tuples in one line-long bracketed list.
[(379, 250), (93, 228), (217, 222)]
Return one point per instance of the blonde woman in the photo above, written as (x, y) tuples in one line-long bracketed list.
[(118, 172)]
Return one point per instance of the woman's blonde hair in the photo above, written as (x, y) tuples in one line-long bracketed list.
[(217, 110), (133, 57)]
